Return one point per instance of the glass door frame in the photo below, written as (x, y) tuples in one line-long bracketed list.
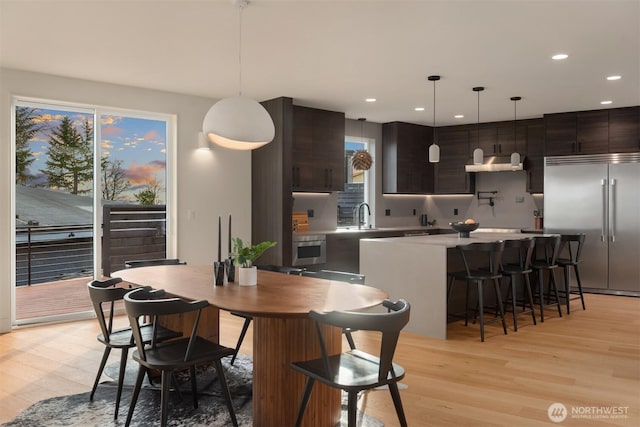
[(97, 112)]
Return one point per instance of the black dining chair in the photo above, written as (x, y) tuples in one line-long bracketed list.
[(340, 276), (175, 355), (479, 272), (103, 293), (355, 370), (247, 317)]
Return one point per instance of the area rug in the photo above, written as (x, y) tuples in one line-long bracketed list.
[(78, 411)]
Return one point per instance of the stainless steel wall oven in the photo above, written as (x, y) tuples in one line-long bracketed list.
[(309, 249)]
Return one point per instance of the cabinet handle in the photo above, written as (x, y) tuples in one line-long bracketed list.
[(500, 148), (494, 148)]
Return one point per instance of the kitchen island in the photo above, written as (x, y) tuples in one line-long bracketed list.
[(415, 268)]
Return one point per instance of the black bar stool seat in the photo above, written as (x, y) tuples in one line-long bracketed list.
[(479, 274), (571, 248), (546, 248), (521, 267)]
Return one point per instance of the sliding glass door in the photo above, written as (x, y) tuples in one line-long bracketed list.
[(73, 164)]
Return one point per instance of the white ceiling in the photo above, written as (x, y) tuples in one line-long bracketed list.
[(334, 54)]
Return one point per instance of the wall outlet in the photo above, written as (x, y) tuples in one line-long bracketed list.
[(310, 213), (387, 212), (519, 199), (455, 211)]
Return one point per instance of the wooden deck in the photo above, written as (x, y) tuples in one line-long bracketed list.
[(53, 299)]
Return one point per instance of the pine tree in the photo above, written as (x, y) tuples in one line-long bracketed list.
[(70, 157), (26, 129)]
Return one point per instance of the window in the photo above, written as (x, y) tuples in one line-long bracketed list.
[(355, 186)]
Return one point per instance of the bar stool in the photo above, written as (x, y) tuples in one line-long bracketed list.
[(491, 271), (521, 267), (546, 248), (571, 247)]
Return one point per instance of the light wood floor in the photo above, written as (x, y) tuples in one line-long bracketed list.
[(588, 359)]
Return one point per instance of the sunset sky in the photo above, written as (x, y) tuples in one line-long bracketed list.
[(139, 143)]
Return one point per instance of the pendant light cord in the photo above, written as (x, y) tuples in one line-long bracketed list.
[(515, 115), (478, 128), (434, 112), (240, 53)]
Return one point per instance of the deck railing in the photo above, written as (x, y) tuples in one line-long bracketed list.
[(53, 253), (50, 253)]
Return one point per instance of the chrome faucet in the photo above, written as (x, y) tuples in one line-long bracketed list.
[(360, 206)]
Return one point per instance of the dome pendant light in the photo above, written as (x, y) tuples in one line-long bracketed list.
[(434, 148), (515, 156), (239, 123), (478, 154)]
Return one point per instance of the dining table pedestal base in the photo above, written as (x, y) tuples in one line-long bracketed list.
[(277, 392)]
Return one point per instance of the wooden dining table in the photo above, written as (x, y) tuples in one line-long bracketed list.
[(282, 330)]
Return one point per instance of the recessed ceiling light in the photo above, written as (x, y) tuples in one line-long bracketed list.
[(370, 100), (459, 116), (560, 56), (606, 102), (614, 77), (419, 108)]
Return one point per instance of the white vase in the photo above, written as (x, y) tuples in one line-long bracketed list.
[(247, 276)]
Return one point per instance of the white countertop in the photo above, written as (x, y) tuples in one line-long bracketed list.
[(450, 240), (355, 230)]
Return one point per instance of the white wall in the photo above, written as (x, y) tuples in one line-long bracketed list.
[(209, 183)]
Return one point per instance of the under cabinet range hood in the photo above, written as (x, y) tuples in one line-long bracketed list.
[(495, 164)]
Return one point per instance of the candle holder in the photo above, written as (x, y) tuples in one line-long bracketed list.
[(218, 273), (230, 269)]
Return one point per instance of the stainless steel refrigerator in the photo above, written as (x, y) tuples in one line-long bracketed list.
[(598, 195)]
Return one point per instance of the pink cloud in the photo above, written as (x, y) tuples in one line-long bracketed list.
[(141, 174), (152, 134), (111, 130)]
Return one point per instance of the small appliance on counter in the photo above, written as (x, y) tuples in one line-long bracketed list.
[(423, 220)]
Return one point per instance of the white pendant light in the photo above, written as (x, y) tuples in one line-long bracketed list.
[(239, 123), (434, 149), (515, 156), (478, 154)]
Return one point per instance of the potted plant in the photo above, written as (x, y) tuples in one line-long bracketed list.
[(243, 257)]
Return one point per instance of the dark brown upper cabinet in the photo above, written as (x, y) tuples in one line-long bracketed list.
[(511, 138), (405, 164), (455, 153), (560, 133), (484, 136), (582, 132), (624, 130), (592, 132), (317, 150)]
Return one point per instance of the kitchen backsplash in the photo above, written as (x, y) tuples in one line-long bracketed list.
[(513, 206)]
